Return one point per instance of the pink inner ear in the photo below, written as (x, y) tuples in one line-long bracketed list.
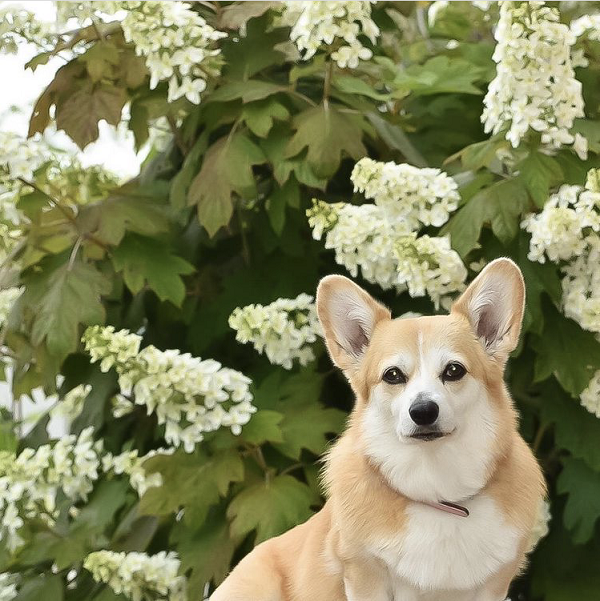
[(487, 326), (356, 337)]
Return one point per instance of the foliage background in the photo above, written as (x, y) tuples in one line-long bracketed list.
[(216, 220)]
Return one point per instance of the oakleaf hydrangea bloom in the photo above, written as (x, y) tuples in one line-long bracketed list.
[(283, 330), (335, 25), (408, 195), (139, 576), (535, 86), (30, 483), (189, 396), (559, 230), (178, 45), (360, 237), (429, 266), (382, 238), (8, 586), (590, 397), (131, 464), (588, 25), (581, 286), (540, 527), (71, 404)]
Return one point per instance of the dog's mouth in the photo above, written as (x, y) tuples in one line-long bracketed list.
[(427, 435)]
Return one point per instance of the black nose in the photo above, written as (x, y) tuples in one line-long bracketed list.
[(424, 413)]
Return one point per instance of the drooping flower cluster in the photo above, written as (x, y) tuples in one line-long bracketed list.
[(337, 25), (429, 266), (178, 44), (131, 464), (189, 396), (587, 25), (408, 195), (283, 330), (560, 231), (71, 405), (8, 586), (17, 24), (535, 86), (139, 576), (581, 287), (30, 483), (541, 525), (590, 397), (382, 238)]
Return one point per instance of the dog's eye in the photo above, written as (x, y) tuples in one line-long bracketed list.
[(393, 375), (453, 372)]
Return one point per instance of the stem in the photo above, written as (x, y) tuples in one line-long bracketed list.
[(177, 135), (537, 441), (245, 245), (302, 96), (291, 468), (327, 83)]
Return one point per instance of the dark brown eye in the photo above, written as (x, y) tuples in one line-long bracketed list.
[(453, 372), (393, 375)]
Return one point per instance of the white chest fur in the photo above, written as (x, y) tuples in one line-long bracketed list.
[(438, 551)]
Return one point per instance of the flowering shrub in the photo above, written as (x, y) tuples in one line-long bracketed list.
[(403, 144)]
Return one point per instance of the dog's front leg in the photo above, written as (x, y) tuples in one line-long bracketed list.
[(366, 580)]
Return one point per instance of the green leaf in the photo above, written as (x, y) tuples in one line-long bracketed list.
[(146, 260), (566, 351), (263, 427), (121, 212), (206, 551), (575, 429), (355, 85), (583, 505), (539, 173), (227, 168), (439, 75), (247, 91), (48, 588), (259, 116), (62, 296), (80, 113), (327, 134), (195, 482), (235, 16), (394, 137), (270, 507), (480, 154), (501, 205), (288, 194)]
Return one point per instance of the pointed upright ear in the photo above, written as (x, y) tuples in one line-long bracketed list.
[(348, 315), (494, 304)]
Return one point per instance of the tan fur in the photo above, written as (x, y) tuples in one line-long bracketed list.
[(311, 561)]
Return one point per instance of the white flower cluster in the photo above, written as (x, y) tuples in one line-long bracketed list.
[(590, 397), (283, 330), (408, 195), (429, 266), (178, 45), (139, 575), (17, 24), (71, 405), (130, 463), (581, 287), (337, 25), (381, 239), (535, 86), (30, 483), (189, 396), (560, 230), (8, 586), (588, 25), (540, 527)]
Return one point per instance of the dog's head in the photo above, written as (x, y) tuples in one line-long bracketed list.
[(429, 387)]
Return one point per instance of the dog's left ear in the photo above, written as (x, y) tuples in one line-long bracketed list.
[(494, 304), (348, 315)]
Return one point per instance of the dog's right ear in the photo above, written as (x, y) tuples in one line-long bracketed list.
[(348, 315)]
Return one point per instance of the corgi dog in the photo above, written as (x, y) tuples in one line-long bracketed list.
[(432, 493)]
